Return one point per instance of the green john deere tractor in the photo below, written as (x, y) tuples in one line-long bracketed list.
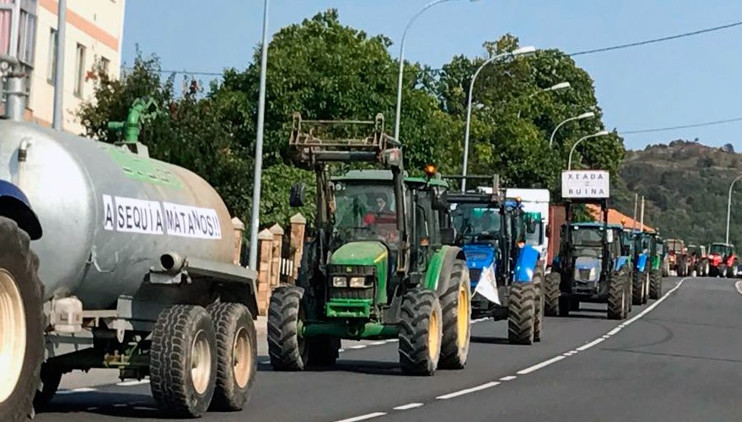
[(377, 264)]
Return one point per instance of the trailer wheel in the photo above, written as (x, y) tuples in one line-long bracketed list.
[(183, 361), (50, 378), (21, 323), (456, 312), (521, 313), (420, 333), (322, 350), (538, 284), (617, 297), (287, 350), (551, 294), (236, 349)]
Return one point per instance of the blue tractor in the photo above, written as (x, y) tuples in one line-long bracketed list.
[(593, 265), (504, 270)]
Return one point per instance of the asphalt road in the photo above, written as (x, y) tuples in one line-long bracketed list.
[(679, 360)]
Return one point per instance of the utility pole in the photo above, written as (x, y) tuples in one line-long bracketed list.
[(642, 214), (57, 122), (636, 203)]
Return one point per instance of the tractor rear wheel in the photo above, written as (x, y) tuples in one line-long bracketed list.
[(645, 286), (521, 313), (456, 311), (237, 356), (183, 361), (21, 325), (538, 284), (655, 285), (638, 290), (617, 297), (420, 333), (551, 294), (286, 348)]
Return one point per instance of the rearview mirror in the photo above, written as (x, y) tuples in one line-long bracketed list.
[(296, 199), (439, 202), (609, 236), (448, 236)]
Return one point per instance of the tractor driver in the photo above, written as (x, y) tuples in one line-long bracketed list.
[(382, 220)]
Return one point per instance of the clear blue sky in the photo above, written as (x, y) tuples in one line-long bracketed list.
[(684, 81)]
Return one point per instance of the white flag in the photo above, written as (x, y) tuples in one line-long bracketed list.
[(487, 285)]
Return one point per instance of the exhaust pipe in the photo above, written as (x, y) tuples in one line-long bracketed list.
[(172, 262)]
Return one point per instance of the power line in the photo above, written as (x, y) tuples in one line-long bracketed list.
[(656, 40), (663, 129)]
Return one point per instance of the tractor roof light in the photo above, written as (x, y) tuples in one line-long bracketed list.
[(430, 170)]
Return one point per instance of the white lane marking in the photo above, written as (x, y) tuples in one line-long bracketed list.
[(119, 405), (591, 344), (265, 362), (377, 343), (358, 346), (136, 382), (540, 365), (614, 331), (468, 390), (408, 406), (76, 390), (508, 378), (341, 350), (738, 286), (363, 417), (392, 340)]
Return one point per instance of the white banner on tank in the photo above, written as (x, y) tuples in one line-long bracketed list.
[(184, 220), (131, 215)]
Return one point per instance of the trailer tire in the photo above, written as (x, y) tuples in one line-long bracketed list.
[(617, 297), (551, 294), (521, 313), (183, 335), (237, 356), (655, 285), (22, 337), (287, 350), (420, 333), (538, 284), (322, 351)]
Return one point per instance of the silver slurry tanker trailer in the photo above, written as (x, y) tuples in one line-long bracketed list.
[(135, 272)]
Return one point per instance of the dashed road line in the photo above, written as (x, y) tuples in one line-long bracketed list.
[(363, 417), (508, 378), (543, 364), (136, 382), (358, 346), (468, 390), (77, 390), (591, 344), (408, 406)]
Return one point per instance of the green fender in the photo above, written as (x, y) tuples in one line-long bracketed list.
[(440, 267)]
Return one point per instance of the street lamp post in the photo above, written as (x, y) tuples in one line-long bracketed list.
[(521, 51), (401, 62), (594, 135), (258, 171), (729, 205), (581, 116), (557, 87)]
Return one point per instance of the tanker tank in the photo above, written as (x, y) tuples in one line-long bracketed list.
[(108, 213)]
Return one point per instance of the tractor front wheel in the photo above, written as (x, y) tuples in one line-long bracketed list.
[(521, 313), (655, 285), (617, 297), (552, 293), (538, 284), (456, 311), (286, 348), (420, 333)]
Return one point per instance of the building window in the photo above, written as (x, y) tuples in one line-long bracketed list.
[(52, 71), (79, 69), (104, 65)]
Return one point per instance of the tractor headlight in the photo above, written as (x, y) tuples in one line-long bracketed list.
[(358, 282), (340, 281)]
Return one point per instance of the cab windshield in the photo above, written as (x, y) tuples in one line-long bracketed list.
[(473, 221), (719, 249), (587, 241), (365, 211)]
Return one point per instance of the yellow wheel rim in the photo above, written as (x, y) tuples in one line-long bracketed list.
[(464, 316), (12, 334), (434, 340), (241, 358), (200, 362)]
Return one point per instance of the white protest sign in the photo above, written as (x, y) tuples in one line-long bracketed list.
[(586, 184)]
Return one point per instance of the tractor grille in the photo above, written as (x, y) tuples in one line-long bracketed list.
[(348, 293), (474, 274), (584, 274)]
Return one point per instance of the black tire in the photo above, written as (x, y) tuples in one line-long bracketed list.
[(456, 332), (655, 285), (722, 270), (50, 378), (322, 351), (713, 271), (538, 284), (574, 304), (645, 285), (237, 356), (421, 318), (637, 279), (20, 265), (521, 313), (173, 386), (551, 294), (617, 296), (565, 306), (286, 349)]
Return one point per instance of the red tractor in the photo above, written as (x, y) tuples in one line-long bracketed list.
[(698, 260), (677, 255), (723, 260)]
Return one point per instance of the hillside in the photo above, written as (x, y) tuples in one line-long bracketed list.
[(685, 185)]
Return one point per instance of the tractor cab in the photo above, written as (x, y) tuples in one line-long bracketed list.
[(723, 260)]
